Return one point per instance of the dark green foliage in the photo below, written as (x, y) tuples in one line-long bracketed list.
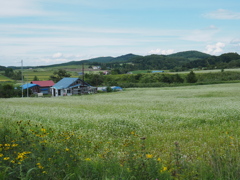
[(8, 91), (9, 72), (94, 79), (35, 78), (16, 75), (228, 60), (191, 77), (177, 78), (2, 68), (109, 89), (115, 71), (59, 74)]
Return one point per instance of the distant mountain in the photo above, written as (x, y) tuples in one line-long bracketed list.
[(181, 60), (100, 59), (191, 55), (124, 58), (107, 59)]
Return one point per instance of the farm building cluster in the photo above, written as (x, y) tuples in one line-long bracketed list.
[(65, 87)]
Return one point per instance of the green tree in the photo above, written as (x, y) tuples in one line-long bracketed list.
[(8, 72), (115, 71), (94, 79), (59, 74), (6, 91), (177, 78), (35, 78), (191, 77)]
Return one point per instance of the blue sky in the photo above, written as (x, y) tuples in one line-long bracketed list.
[(43, 32)]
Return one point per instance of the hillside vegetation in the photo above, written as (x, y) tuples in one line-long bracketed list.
[(149, 133)]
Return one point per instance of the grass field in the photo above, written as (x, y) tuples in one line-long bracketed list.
[(4, 78), (148, 133)]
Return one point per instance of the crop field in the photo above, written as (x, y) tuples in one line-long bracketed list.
[(148, 133), (4, 78), (41, 74)]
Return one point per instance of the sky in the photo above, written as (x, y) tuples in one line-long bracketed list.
[(45, 32)]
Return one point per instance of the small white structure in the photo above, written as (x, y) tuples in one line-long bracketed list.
[(40, 94), (114, 88), (96, 67)]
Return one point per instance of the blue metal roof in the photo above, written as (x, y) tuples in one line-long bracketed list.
[(25, 86), (64, 83)]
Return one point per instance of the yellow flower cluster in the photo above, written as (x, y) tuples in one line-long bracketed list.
[(22, 156), (39, 166), (149, 156), (163, 169)]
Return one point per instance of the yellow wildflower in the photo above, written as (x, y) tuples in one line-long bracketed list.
[(67, 149), (44, 172), (149, 156), (6, 158), (159, 159), (1, 155), (164, 169), (14, 145), (39, 166), (87, 159)]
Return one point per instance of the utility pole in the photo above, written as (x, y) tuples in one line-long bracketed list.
[(83, 72), (22, 77), (27, 85)]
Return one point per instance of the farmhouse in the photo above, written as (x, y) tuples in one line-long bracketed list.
[(34, 88), (72, 86), (44, 86)]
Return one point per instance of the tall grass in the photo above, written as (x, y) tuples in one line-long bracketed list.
[(155, 133)]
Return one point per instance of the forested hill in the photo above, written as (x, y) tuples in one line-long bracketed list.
[(152, 62), (227, 60), (191, 55)]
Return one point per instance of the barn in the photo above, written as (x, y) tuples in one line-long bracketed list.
[(72, 86)]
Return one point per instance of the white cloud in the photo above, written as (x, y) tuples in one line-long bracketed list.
[(160, 51), (215, 49), (57, 55), (201, 35), (235, 41), (16, 8), (222, 14)]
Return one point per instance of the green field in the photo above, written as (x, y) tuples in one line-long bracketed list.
[(148, 133), (4, 78)]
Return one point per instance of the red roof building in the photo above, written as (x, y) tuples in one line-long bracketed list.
[(44, 86)]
